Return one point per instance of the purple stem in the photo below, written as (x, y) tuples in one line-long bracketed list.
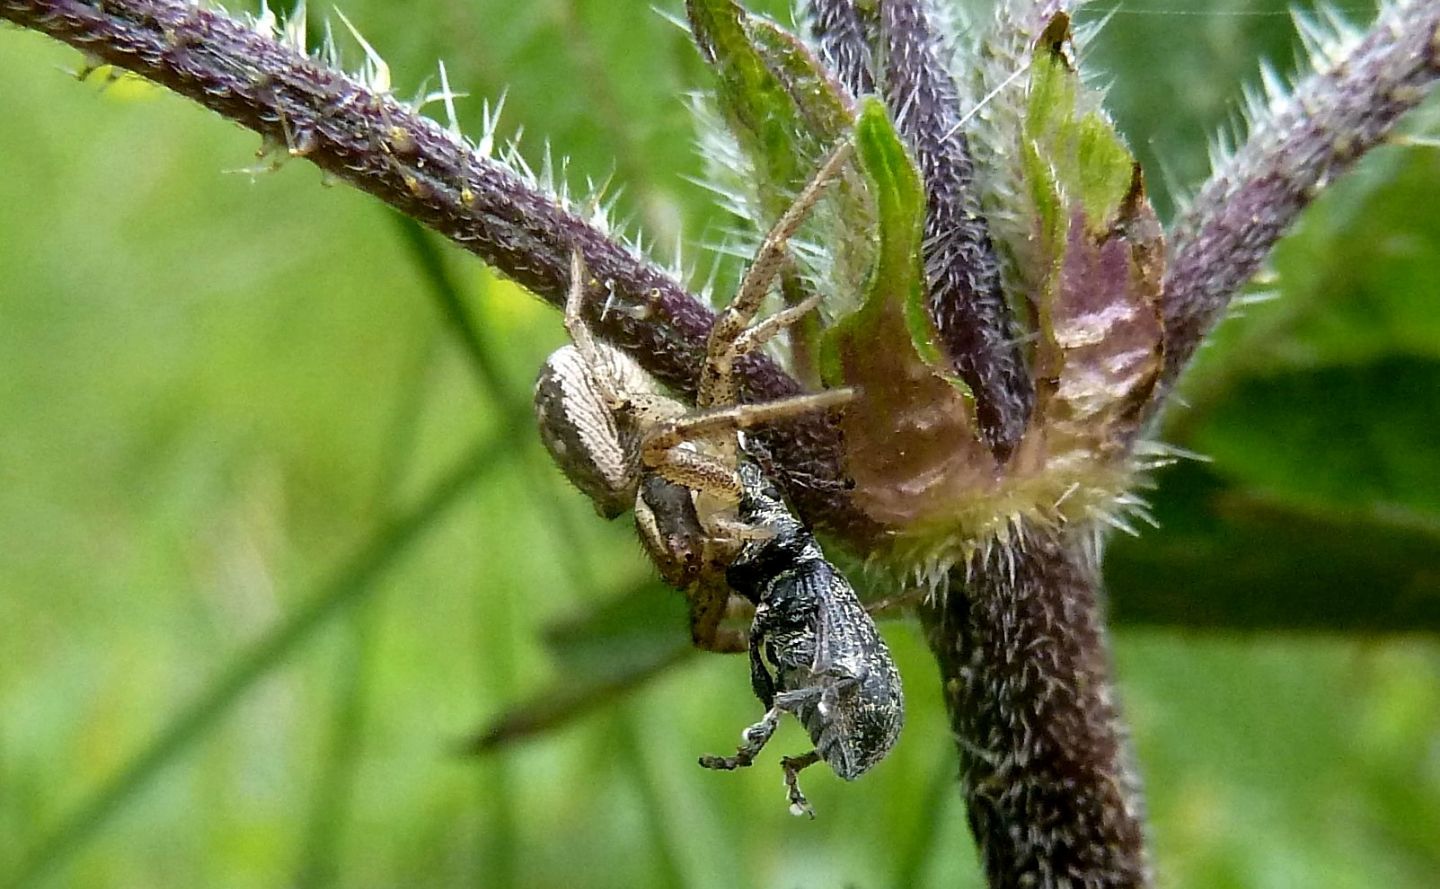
[(844, 44), (1051, 794), (967, 301), (1333, 117)]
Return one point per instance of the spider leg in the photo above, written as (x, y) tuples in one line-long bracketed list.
[(709, 603), (690, 468), (896, 605), (761, 332), (661, 447), (725, 640), (592, 405), (602, 373), (682, 548), (620, 383), (717, 383)]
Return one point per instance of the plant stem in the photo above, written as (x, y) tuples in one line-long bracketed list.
[(1025, 666), (966, 302), (1348, 106), (840, 30)]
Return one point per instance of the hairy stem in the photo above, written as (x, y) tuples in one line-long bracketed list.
[(382, 146), (841, 34), (1051, 794), (966, 300), (1334, 116)]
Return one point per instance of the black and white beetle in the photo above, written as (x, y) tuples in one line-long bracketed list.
[(814, 650)]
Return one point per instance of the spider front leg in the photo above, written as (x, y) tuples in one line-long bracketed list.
[(593, 405), (716, 474), (896, 605), (674, 451), (682, 549), (733, 334), (710, 604), (620, 386)]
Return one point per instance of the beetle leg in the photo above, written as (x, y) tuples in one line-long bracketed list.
[(792, 765), (761, 682), (828, 694), (829, 698), (753, 741), (793, 699)]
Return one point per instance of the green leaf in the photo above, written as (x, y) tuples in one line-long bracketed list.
[(645, 620), (1357, 437), (826, 115), (573, 696), (1076, 164), (777, 100), (1340, 299), (1094, 266), (897, 279), (602, 653), (1321, 510), (351, 584), (914, 418)]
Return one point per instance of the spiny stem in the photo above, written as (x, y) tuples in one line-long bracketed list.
[(1330, 120), (382, 146), (966, 300), (840, 32), (1051, 795)]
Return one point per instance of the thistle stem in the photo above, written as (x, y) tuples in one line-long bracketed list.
[(841, 33), (966, 300)]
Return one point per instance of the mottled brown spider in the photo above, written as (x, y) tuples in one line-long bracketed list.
[(628, 445)]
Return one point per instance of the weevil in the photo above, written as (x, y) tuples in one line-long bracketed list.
[(716, 525), (815, 651)]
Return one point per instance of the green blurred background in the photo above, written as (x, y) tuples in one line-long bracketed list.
[(273, 543)]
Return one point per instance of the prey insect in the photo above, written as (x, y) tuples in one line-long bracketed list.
[(715, 524), (815, 652)]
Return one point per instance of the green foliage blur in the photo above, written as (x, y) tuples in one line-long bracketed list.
[(273, 544)]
